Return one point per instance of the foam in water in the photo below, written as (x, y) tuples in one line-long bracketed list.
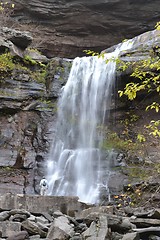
[(75, 165)]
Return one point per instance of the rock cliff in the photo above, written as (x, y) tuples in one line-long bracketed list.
[(65, 28), (28, 94)]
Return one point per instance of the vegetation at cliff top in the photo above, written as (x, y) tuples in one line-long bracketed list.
[(8, 63)]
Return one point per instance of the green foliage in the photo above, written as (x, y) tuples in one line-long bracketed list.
[(138, 172), (36, 70), (39, 75), (154, 105), (148, 73), (6, 6), (48, 105), (93, 53), (6, 65), (28, 60), (131, 90), (154, 128), (6, 62), (90, 52), (157, 26), (7, 168), (141, 138)]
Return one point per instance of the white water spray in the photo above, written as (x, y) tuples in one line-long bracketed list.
[(75, 165)]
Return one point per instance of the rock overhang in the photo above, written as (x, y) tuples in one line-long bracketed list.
[(69, 27)]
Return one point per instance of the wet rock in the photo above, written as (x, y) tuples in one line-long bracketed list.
[(58, 71)]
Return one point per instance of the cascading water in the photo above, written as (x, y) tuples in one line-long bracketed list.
[(75, 165)]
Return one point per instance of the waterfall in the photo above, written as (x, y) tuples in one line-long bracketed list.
[(76, 166)]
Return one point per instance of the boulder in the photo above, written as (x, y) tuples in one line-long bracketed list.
[(60, 229), (142, 222), (9, 228), (21, 39), (14, 41), (4, 215), (98, 229), (33, 228), (55, 233), (19, 236)]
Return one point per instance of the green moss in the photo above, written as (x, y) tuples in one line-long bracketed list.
[(34, 50), (48, 105), (28, 60), (39, 75), (6, 62), (7, 168), (112, 140), (138, 172)]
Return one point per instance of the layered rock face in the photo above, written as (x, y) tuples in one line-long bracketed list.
[(65, 28), (28, 112), (27, 104)]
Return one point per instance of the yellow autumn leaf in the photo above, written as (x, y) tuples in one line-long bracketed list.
[(116, 196)]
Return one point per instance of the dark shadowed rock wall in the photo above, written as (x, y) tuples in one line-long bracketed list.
[(65, 28)]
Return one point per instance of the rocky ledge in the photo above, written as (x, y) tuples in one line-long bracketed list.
[(65, 28), (61, 218)]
